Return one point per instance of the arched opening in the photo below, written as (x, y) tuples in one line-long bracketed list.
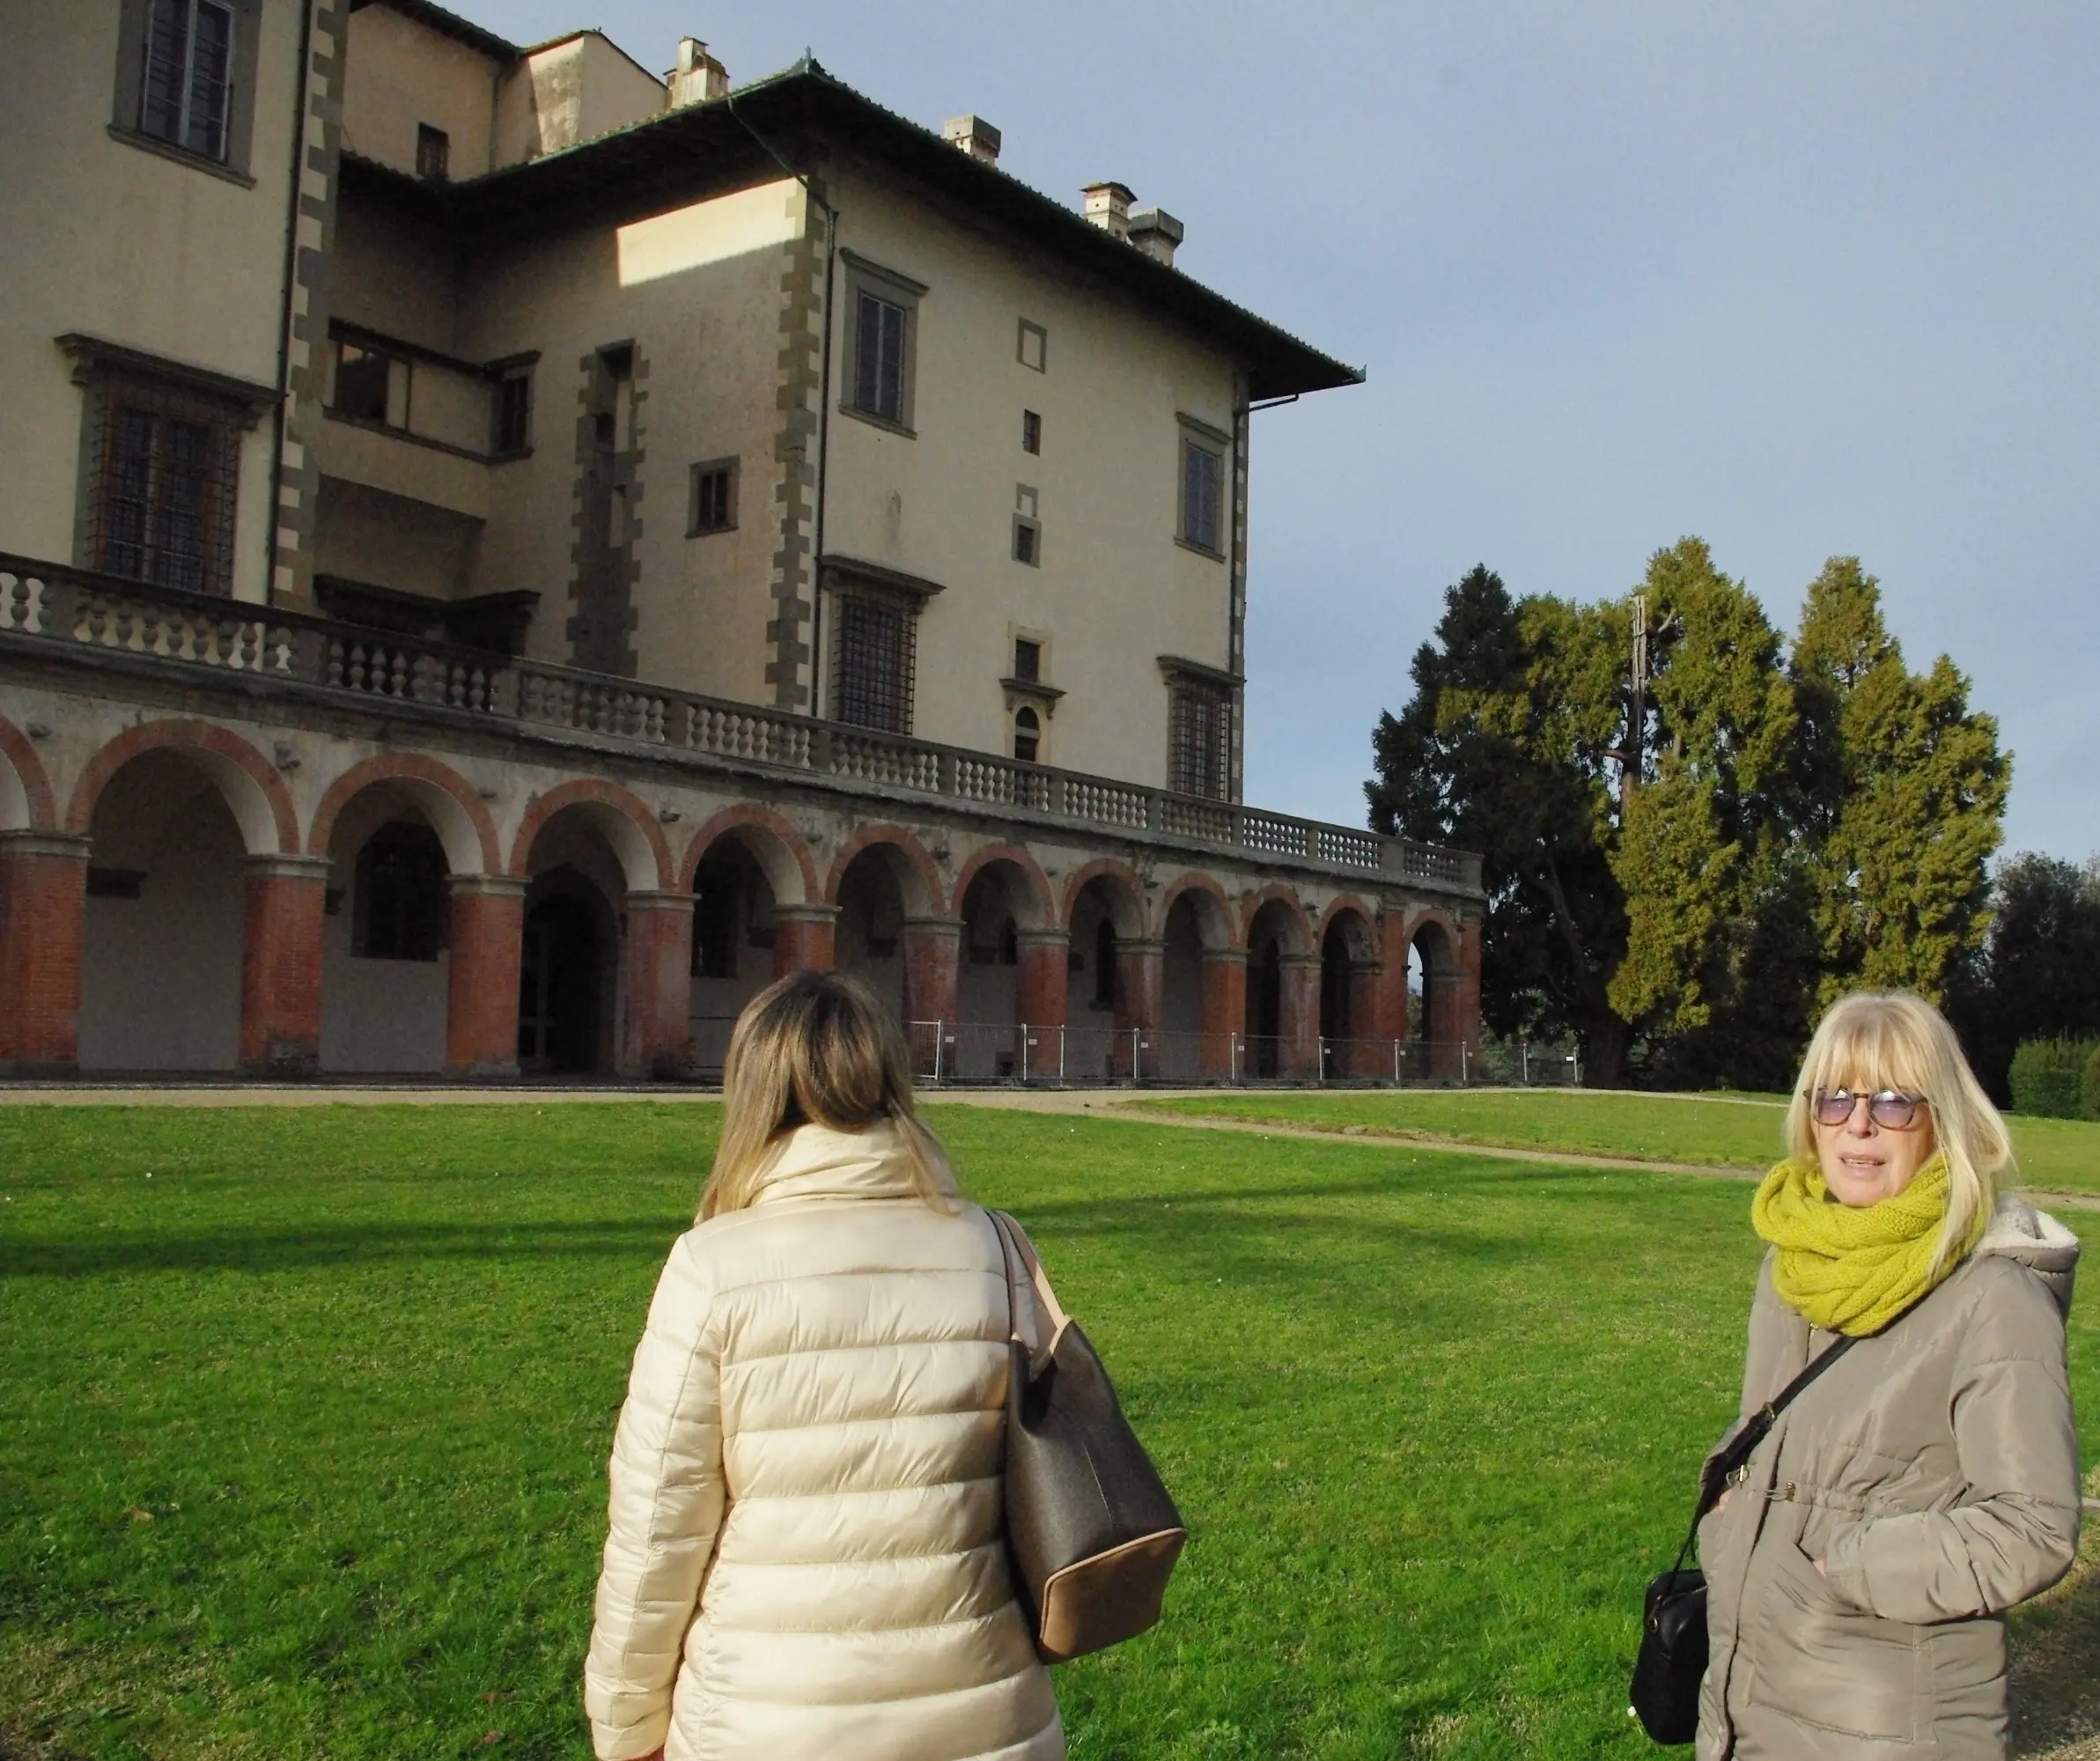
[(1434, 1045), (1027, 736), (561, 978), (570, 961), (1275, 949), (1101, 1012), (870, 935), (733, 935), (1348, 1001), (987, 1043), (162, 934), (387, 937)]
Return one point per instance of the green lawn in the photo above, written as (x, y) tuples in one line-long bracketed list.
[(303, 1418), (2055, 1155)]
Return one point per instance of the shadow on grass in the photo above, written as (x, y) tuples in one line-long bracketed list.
[(2056, 1680)]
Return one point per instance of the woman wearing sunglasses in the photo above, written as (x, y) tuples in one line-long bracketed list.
[(1859, 1569)]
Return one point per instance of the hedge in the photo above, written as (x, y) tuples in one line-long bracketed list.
[(2056, 1078)]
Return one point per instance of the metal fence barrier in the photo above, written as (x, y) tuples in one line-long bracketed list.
[(948, 1053)]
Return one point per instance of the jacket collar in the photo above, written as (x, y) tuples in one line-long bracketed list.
[(812, 1162), (2036, 1239)]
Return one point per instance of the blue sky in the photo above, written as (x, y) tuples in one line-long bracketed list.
[(1804, 280)]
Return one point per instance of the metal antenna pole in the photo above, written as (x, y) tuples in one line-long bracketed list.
[(1637, 708)]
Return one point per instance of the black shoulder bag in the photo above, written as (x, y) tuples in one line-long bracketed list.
[(1673, 1629)]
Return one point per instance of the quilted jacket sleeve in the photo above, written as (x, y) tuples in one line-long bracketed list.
[(2014, 1531), (666, 1507)]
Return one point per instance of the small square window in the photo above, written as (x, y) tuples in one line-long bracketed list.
[(513, 413), (1032, 348), (714, 499), (1027, 540), (1028, 660), (433, 153), (364, 378), (1031, 432)]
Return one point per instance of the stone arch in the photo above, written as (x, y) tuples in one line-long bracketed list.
[(1208, 904), (1433, 935), (917, 877), (27, 803), (627, 825), (1355, 920), (1276, 905), (457, 814), (254, 792), (773, 843), (1125, 892), (1031, 901), (1348, 1003)]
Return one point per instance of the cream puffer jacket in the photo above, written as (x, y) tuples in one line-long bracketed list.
[(1934, 1474), (806, 1560)]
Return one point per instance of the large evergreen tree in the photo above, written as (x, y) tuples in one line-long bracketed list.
[(2037, 975)]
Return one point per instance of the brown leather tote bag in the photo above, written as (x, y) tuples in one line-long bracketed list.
[(1091, 1532)]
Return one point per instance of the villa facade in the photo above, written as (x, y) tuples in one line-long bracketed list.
[(503, 552)]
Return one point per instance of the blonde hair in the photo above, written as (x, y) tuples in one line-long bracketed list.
[(1892, 1039), (815, 1048)]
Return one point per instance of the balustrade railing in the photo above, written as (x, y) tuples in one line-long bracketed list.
[(75, 609)]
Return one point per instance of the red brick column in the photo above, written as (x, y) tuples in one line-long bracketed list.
[(1140, 1004), (43, 896), (1039, 995), (804, 939), (1224, 1014), (1365, 1056), (1465, 1000), (932, 950), (480, 1004), (656, 985), (1298, 1024), (280, 965), (1391, 1008)]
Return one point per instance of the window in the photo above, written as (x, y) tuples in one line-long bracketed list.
[(163, 507), (1028, 660), (1031, 349), (873, 646), (514, 412), (1203, 480), (433, 152), (1104, 965), (186, 96), (1198, 735), (1031, 432), (364, 382), (400, 907), (1028, 530), (1027, 736), (713, 498), (879, 359)]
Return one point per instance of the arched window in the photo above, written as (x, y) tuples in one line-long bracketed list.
[(399, 910), (1027, 736)]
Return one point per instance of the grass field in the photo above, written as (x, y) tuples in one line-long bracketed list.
[(2055, 1155), (304, 1414)]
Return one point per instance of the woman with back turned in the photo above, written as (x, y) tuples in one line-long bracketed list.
[(806, 1559), (1859, 1570)]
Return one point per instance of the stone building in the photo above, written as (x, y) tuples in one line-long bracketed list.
[(506, 552)]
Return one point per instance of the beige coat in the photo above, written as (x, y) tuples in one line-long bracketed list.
[(1934, 1470), (806, 1560)]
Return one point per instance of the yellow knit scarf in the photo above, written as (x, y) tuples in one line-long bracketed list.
[(1850, 1270)]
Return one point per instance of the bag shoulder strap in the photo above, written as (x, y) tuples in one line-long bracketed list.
[(1027, 1280), (1724, 1463)]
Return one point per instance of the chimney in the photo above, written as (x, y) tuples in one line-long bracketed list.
[(697, 77), (1156, 233), (975, 135), (1108, 206)]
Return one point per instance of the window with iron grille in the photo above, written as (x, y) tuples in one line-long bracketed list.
[(1203, 480), (433, 153), (872, 645), (713, 498), (186, 95), (1199, 738), (162, 467), (1028, 660), (400, 907)]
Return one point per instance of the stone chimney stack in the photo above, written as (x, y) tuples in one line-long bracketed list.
[(1156, 233), (697, 77), (975, 135), (1108, 206)]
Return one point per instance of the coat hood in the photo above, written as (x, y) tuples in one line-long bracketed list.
[(2034, 1239), (815, 1162)]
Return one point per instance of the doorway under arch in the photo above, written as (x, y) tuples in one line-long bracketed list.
[(564, 978)]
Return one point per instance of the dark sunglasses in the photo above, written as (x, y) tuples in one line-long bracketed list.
[(1890, 1109)]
